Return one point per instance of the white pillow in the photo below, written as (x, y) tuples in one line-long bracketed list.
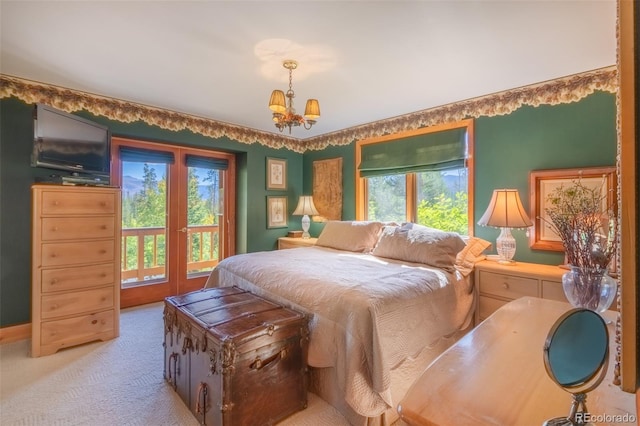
[(472, 253), (420, 244), (355, 236)]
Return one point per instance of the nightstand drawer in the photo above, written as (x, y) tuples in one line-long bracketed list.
[(289, 243), (507, 286), (553, 290), (488, 305)]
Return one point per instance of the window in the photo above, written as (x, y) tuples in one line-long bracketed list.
[(422, 176)]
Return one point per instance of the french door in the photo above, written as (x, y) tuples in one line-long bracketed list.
[(178, 210)]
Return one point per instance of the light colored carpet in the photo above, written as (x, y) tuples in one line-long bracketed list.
[(118, 382)]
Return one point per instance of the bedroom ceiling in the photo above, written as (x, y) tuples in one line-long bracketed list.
[(363, 60)]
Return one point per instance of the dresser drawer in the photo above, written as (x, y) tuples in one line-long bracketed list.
[(71, 331), (78, 277), (77, 302), (553, 290), (94, 202), (55, 254), (76, 228), (508, 286)]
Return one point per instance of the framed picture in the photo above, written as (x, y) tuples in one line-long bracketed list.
[(277, 212), (276, 173), (544, 182)]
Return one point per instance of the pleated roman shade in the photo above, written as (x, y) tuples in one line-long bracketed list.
[(427, 152)]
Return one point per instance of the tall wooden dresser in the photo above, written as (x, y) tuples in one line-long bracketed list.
[(75, 266)]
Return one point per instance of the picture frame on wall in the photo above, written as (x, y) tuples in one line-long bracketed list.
[(277, 212), (544, 182), (276, 173)]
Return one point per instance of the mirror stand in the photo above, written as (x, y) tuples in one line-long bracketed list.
[(577, 415)]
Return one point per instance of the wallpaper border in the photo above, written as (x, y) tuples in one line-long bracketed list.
[(558, 91)]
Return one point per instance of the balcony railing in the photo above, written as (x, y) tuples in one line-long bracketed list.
[(150, 245)]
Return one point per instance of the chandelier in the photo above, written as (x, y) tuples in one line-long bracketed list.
[(284, 114)]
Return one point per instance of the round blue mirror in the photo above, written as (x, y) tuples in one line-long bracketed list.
[(577, 348), (576, 356)]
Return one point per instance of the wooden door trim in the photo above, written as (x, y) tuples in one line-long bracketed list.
[(154, 292)]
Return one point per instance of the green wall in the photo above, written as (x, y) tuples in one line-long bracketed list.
[(507, 148), (17, 176)]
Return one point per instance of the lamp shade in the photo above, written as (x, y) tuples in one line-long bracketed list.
[(277, 102), (305, 206), (312, 110), (505, 211)]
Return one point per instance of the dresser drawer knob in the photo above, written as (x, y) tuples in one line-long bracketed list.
[(505, 286), (103, 251), (55, 228), (94, 322), (54, 281), (103, 227)]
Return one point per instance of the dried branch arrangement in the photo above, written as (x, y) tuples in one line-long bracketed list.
[(587, 227)]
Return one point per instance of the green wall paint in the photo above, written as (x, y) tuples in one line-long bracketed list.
[(348, 180), (17, 176), (508, 147)]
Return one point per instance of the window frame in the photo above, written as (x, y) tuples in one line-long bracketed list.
[(361, 189)]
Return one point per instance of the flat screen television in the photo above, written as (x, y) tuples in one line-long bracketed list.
[(67, 142)]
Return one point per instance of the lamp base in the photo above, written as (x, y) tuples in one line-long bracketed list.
[(306, 223), (505, 246)]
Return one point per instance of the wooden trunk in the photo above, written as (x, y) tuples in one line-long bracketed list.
[(235, 358)]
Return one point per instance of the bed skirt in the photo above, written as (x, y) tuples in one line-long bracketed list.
[(324, 383)]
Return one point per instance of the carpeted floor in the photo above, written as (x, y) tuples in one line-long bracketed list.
[(118, 382)]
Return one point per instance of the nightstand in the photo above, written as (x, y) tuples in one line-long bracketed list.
[(289, 242), (499, 284)]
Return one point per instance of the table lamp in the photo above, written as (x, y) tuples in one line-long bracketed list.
[(505, 211), (305, 208)]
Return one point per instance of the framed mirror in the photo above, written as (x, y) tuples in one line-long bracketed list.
[(576, 357)]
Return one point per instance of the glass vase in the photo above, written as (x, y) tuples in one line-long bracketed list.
[(589, 288)]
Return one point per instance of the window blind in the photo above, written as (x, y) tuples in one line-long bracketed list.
[(427, 152), (207, 162), (141, 155)]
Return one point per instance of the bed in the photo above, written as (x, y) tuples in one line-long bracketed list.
[(383, 301)]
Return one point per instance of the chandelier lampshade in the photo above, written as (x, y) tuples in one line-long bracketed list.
[(277, 102), (312, 110), (281, 103)]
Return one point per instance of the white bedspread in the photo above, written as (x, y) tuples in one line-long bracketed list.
[(367, 314)]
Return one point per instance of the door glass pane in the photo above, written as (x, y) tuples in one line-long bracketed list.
[(144, 220), (204, 209), (387, 198), (442, 200)]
